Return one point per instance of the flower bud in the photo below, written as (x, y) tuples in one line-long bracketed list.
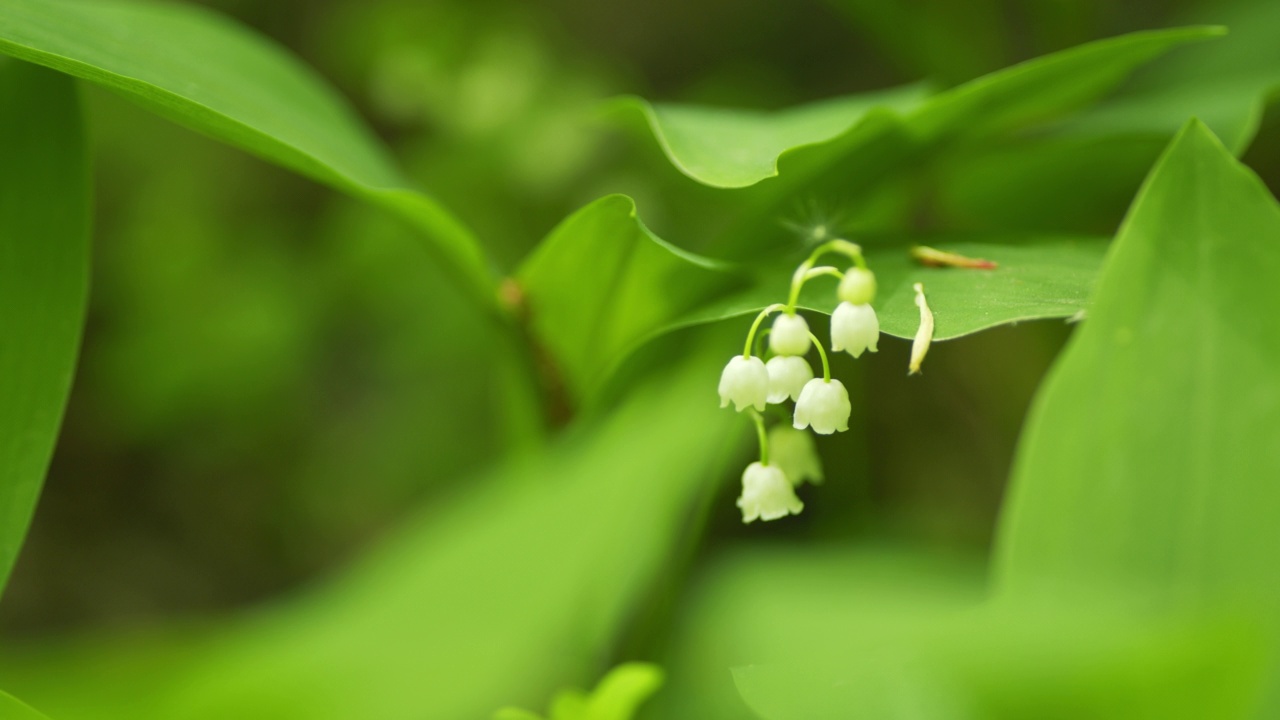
[(790, 335), (854, 328), (787, 376), (824, 406), (794, 453), (767, 494), (857, 287), (745, 383)]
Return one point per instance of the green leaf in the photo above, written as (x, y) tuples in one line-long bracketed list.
[(1226, 84), (510, 591), (1150, 456), (1014, 662), (206, 73), (622, 691), (726, 148), (515, 714), (44, 269), (1037, 278), (735, 148), (601, 283), (1042, 88), (13, 709), (823, 632), (951, 42), (772, 604), (617, 697)]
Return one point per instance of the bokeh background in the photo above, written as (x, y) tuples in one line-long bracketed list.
[(274, 375)]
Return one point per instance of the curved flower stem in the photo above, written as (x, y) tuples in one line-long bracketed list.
[(800, 278), (760, 341), (806, 271), (762, 436), (826, 367), (851, 250), (751, 335)]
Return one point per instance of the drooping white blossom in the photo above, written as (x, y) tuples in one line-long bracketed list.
[(790, 335), (857, 287), (745, 383), (854, 328), (767, 494), (794, 452), (824, 406), (787, 376)]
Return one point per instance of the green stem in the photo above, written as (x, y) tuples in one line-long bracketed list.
[(851, 250), (826, 366), (762, 436), (806, 271), (751, 335), (797, 282), (803, 275), (760, 340)]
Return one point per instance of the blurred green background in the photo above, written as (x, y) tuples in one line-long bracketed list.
[(274, 375)]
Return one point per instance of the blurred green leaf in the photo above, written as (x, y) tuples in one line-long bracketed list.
[(198, 69), (510, 591), (735, 148), (1040, 89), (1038, 277), (615, 698), (1150, 455), (1081, 173), (940, 39), (623, 690), (726, 148), (1013, 662), (44, 273), (601, 283), (13, 709), (1226, 84), (775, 603), (813, 633)]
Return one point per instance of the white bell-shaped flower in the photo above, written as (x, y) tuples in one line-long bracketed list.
[(767, 494), (857, 287), (787, 376), (854, 328), (745, 383), (790, 335), (824, 406), (794, 452)]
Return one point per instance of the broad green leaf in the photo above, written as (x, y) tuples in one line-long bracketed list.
[(725, 148), (1099, 157), (1014, 662), (735, 148), (1150, 456), (601, 283), (1037, 278), (13, 709), (948, 41), (1226, 84), (813, 633), (513, 590), (773, 603), (1082, 173), (44, 273), (1042, 88), (200, 70)]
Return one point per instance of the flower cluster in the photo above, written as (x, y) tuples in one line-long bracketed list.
[(821, 404)]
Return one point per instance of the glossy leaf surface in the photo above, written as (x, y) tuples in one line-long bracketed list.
[(44, 269), (207, 73)]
